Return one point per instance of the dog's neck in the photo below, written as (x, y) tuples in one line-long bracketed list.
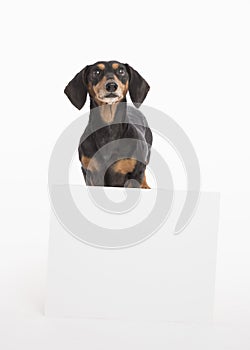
[(107, 114)]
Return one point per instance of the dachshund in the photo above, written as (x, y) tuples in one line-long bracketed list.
[(115, 147)]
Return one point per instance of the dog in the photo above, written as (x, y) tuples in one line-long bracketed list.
[(112, 122)]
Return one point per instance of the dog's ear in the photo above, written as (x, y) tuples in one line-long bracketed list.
[(77, 90), (138, 87)]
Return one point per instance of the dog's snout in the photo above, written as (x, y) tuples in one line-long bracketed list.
[(111, 86)]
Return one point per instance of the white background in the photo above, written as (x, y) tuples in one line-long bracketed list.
[(195, 55)]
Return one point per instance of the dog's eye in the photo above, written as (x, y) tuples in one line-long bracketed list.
[(121, 71), (96, 73)]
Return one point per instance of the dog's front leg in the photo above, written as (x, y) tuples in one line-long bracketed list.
[(90, 170)]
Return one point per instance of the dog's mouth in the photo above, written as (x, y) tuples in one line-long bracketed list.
[(109, 98), (111, 95)]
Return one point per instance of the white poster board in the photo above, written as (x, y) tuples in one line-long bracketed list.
[(166, 277)]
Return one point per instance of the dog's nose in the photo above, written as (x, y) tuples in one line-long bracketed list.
[(111, 86)]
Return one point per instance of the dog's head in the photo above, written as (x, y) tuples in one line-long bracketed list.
[(107, 83)]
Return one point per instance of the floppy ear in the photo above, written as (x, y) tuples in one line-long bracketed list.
[(138, 87), (76, 90)]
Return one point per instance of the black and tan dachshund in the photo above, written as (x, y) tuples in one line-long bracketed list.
[(111, 119)]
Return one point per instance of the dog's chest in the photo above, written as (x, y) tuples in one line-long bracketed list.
[(108, 139)]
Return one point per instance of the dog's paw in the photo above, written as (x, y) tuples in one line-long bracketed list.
[(146, 186)]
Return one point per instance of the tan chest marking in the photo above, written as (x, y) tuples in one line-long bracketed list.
[(108, 112), (124, 166)]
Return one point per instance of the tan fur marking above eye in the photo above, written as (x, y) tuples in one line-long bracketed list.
[(101, 66), (89, 163), (125, 166), (115, 65)]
